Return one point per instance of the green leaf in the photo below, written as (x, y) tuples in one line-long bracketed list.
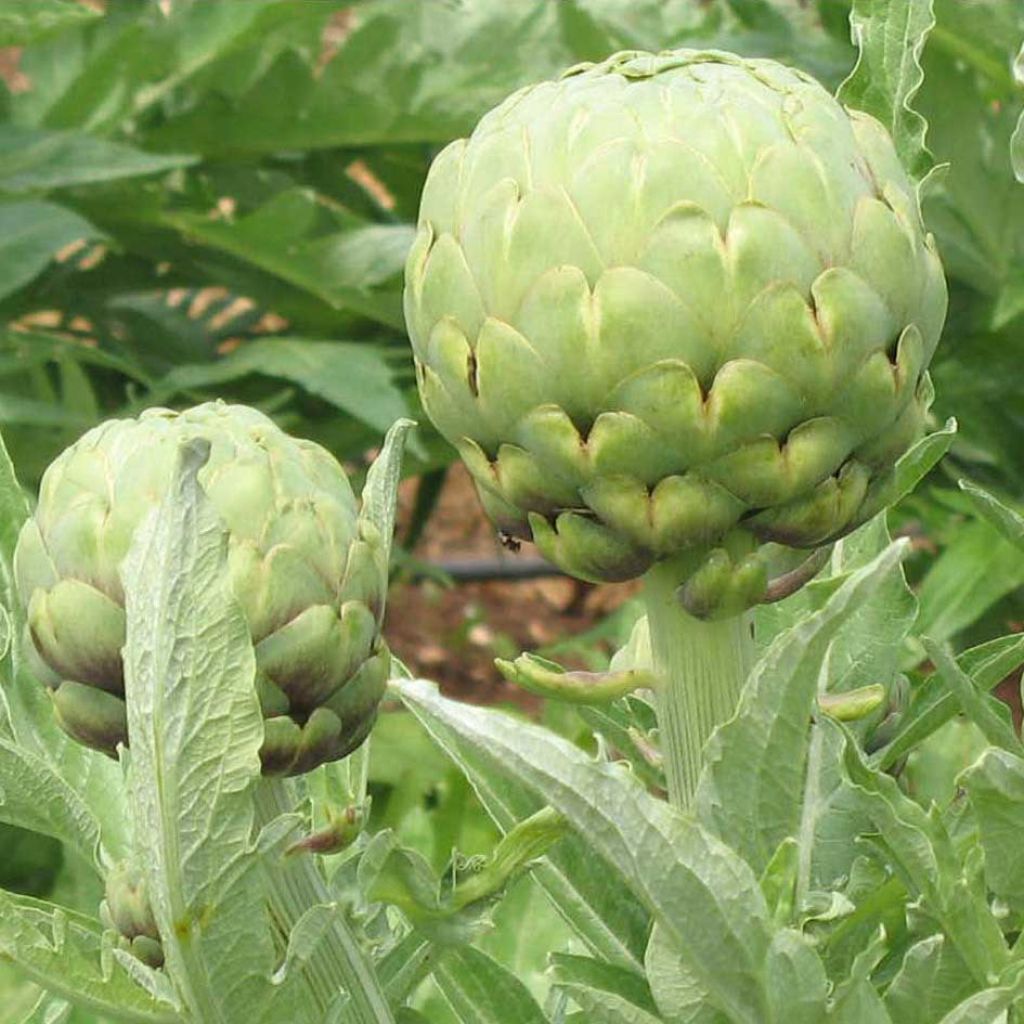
[(972, 573), (32, 159), (923, 853), (24, 21), (931, 981), (990, 1005), (933, 705), (890, 35), (995, 785), (753, 788), (481, 991), (590, 894), (48, 1009), (610, 995), (796, 982), (679, 871), (32, 232), (298, 237), (34, 796), (1008, 522), (415, 73), (680, 997), (355, 378), (195, 730), (990, 715), (63, 951)]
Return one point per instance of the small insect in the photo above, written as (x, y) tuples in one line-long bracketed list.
[(508, 541)]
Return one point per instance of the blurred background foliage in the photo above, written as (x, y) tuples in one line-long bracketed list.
[(213, 198)]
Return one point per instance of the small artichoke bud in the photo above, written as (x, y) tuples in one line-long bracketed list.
[(309, 572), (126, 909), (675, 307)]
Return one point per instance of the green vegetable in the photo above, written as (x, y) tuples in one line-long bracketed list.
[(127, 910), (675, 307), (309, 573)]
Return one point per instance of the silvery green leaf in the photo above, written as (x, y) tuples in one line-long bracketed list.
[(592, 896), (931, 981), (753, 791), (1006, 520), (990, 715), (381, 489), (919, 847), (990, 1005), (609, 994), (64, 951), (995, 786), (933, 705), (48, 1010), (680, 997), (195, 730), (796, 982), (678, 870), (34, 796), (890, 35), (480, 991), (403, 967)]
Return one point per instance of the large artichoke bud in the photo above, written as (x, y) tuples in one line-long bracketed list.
[(675, 306), (309, 573)]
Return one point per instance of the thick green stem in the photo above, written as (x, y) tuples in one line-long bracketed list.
[(338, 963), (701, 668)]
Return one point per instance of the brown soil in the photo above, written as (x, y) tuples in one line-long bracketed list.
[(453, 634)]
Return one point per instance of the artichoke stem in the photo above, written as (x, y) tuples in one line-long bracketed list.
[(701, 668), (294, 885)]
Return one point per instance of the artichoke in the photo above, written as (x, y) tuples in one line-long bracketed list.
[(675, 307), (127, 910), (309, 573)]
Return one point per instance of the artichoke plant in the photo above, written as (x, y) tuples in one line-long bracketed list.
[(309, 573), (676, 311), (675, 307)]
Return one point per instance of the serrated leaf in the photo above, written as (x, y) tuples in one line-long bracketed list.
[(680, 997), (933, 705), (753, 786), (34, 796), (481, 991), (194, 718), (995, 785), (63, 950), (591, 895), (990, 1005), (611, 995), (890, 36), (990, 715), (931, 981), (921, 850), (678, 870)]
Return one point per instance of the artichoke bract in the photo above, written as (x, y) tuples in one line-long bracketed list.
[(309, 574), (675, 306)]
